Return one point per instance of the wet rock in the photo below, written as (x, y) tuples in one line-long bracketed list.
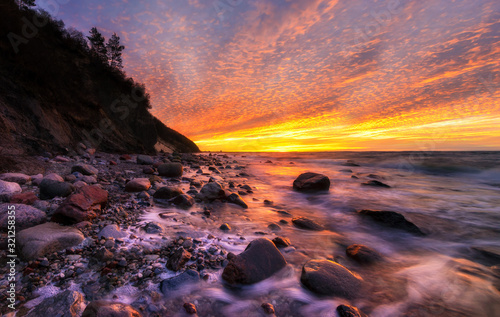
[(84, 205), (309, 182), (104, 255), (46, 238), (170, 170), (350, 163), (167, 193), (268, 308), (274, 227), (307, 224), (85, 169), (237, 200), (325, 277), (349, 311), (392, 219), (50, 189), (144, 160), (183, 201), (212, 191), (25, 216), (260, 260), (89, 179), (173, 284), (27, 198), (225, 227), (111, 231), (281, 242), (363, 254), (19, 178), (102, 308), (178, 259), (7, 189), (65, 304), (487, 254), (154, 227), (148, 170), (138, 185), (190, 308), (125, 157), (375, 183)]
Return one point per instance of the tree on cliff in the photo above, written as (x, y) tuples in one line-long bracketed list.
[(115, 52), (26, 3), (97, 46)]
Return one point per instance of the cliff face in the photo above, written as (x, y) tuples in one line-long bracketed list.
[(54, 94)]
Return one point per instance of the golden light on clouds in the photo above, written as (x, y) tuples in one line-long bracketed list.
[(310, 75)]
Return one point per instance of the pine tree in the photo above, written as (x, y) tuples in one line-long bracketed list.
[(97, 44), (115, 52)]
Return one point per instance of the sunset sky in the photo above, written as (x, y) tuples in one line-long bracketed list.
[(309, 75)]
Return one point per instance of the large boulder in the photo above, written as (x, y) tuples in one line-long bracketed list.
[(211, 191), (328, 278), (237, 200), (183, 201), (173, 284), (138, 185), (46, 238), (170, 170), (166, 192), (349, 311), (54, 177), (85, 169), (307, 224), (51, 188), (26, 198), (309, 182), (65, 304), (7, 189), (84, 205), (25, 216), (363, 254), (260, 260), (392, 219), (144, 160), (19, 178), (111, 231), (102, 308)]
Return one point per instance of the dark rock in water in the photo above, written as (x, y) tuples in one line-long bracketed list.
[(268, 308), (138, 185), (307, 224), (65, 304), (175, 283), (50, 189), (260, 260), (46, 238), (237, 200), (170, 170), (25, 216), (102, 308), (167, 193), (85, 169), (281, 242), (84, 205), (274, 227), (349, 311), (144, 160), (225, 227), (346, 171), (183, 201), (111, 231), (363, 254), (190, 308), (328, 278), (350, 163), (393, 220), (308, 182), (489, 255), (178, 259), (212, 191), (375, 183), (154, 227)]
